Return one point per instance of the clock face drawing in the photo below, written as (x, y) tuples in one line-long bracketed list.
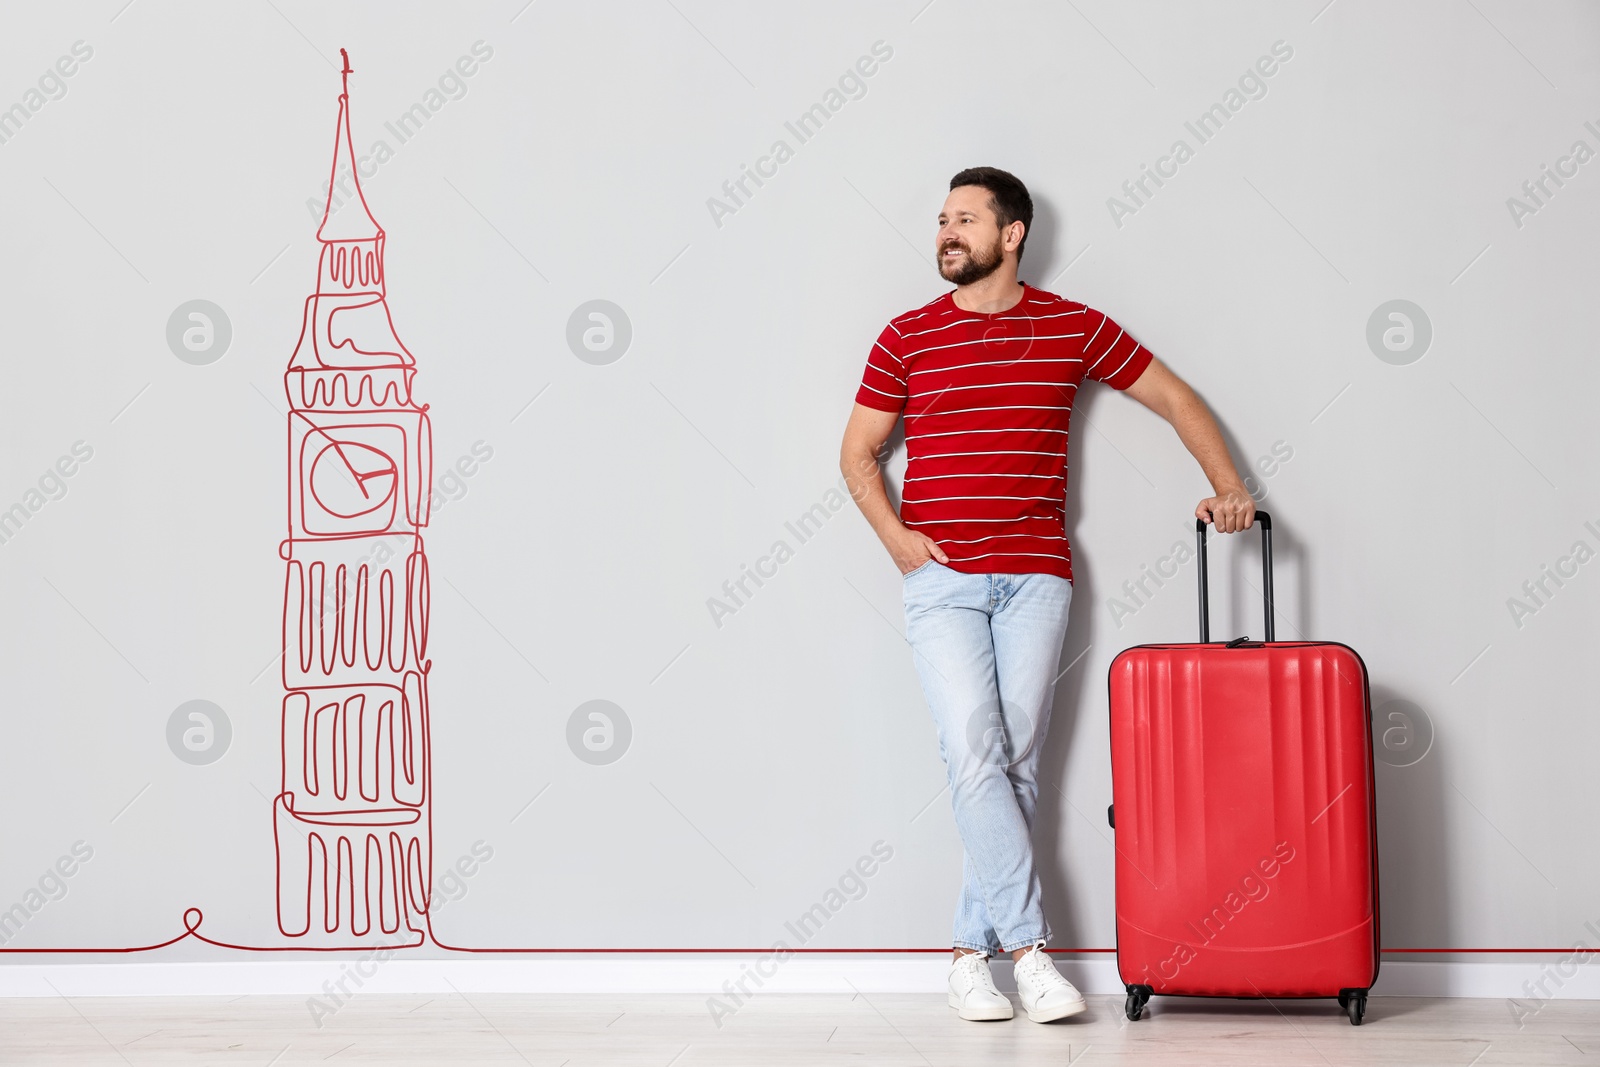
[(353, 478), (349, 479)]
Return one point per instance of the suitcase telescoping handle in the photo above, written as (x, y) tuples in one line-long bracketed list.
[(1265, 522)]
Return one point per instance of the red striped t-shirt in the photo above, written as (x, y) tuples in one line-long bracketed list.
[(987, 398)]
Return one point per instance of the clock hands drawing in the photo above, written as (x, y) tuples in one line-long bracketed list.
[(350, 479)]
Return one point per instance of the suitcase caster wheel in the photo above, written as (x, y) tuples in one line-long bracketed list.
[(1355, 1005), (1138, 997)]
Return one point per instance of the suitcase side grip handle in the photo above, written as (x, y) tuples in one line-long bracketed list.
[(1265, 521)]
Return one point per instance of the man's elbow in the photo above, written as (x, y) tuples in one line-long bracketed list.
[(859, 454), (849, 454)]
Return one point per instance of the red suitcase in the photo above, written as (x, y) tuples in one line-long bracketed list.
[(1244, 814)]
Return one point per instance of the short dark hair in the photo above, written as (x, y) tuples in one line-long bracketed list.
[(1008, 197)]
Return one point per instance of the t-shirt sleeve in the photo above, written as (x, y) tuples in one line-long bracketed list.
[(1110, 354), (883, 383)]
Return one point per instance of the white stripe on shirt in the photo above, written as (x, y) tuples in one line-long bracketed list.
[(1097, 330), (962, 433), (995, 363), (991, 474), (1002, 318), (1009, 518), (995, 452), (1109, 349), (996, 537), (989, 385), (1125, 362), (935, 499), (1001, 407), (891, 355), (996, 340)]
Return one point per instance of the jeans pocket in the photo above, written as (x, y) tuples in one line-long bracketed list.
[(918, 569)]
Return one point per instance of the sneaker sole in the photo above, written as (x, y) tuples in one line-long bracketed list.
[(995, 1014), (1060, 1013)]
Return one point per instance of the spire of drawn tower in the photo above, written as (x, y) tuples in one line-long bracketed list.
[(355, 221), (348, 353)]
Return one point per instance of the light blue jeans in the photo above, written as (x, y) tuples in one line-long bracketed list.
[(986, 648)]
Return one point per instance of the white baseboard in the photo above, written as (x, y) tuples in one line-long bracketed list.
[(1558, 978), (699, 975)]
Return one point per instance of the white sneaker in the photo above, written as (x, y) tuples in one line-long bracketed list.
[(1045, 995), (972, 991)]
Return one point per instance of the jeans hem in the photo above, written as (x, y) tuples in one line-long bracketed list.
[(1027, 942), (987, 950)]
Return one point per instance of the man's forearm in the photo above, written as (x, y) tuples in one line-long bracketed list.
[(1198, 431), (865, 479)]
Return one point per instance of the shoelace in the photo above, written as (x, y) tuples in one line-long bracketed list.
[(977, 966), (1039, 968)]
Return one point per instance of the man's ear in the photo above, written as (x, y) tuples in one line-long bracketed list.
[(1014, 234)]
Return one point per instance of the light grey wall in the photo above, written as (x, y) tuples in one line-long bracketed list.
[(771, 751)]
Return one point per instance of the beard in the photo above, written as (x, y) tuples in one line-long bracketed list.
[(977, 265)]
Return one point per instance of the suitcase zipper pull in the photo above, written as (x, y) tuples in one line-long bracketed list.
[(1237, 642)]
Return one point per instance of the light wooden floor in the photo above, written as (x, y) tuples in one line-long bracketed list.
[(915, 1030)]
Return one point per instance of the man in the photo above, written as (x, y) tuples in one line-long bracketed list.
[(986, 376)]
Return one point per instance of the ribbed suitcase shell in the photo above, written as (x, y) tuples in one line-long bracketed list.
[(1244, 819)]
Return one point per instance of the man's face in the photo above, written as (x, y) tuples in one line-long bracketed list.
[(969, 243)]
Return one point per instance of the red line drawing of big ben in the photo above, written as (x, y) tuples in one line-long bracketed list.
[(352, 824)]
